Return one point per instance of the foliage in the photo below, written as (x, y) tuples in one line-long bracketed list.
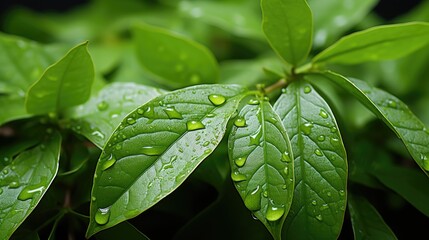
[(141, 118)]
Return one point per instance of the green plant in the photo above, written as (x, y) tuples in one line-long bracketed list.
[(63, 127)]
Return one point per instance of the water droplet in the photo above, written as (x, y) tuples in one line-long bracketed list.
[(42, 147), (205, 144), (334, 141), (180, 177), (286, 170), (207, 151), (392, 104), (314, 202), (342, 192), (240, 161), (216, 99), (265, 194), (102, 215), (110, 160), (118, 146), (323, 114), (256, 137), (98, 134), (131, 120), (195, 78), (237, 176), (329, 194), (152, 150), (240, 122), (319, 217), (253, 199), (324, 206), (29, 191), (5, 171), (321, 138), (103, 105), (172, 113), (274, 213), (194, 125), (140, 111), (334, 129), (425, 162), (307, 89), (14, 184), (149, 112), (306, 128), (93, 198), (318, 152), (253, 101), (286, 157), (210, 115)]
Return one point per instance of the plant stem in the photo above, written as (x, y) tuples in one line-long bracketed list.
[(277, 85)]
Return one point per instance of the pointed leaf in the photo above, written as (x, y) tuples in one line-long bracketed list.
[(118, 232), (366, 221), (377, 43), (288, 26), (98, 118), (176, 60), (24, 182), (261, 164), (156, 148), (394, 113), (320, 164), (64, 84)]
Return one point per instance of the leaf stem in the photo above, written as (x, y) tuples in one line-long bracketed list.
[(279, 84)]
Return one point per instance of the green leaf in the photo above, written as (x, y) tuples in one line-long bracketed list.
[(261, 164), (288, 26), (377, 43), (156, 148), (177, 61), (409, 183), (25, 181), (393, 112), (333, 17), (239, 17), (366, 221), (98, 118), (21, 63), (64, 84), (320, 164), (13, 108)]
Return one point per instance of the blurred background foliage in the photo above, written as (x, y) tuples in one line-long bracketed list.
[(206, 204)]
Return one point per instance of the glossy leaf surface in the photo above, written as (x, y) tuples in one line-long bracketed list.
[(320, 164), (24, 182), (288, 26), (377, 43), (156, 148), (13, 107), (175, 60), (98, 118), (393, 112), (64, 84), (366, 221), (261, 164)]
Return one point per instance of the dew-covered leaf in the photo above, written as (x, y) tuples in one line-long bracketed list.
[(333, 17), (261, 164), (24, 182), (175, 60), (155, 148), (393, 112), (377, 43), (98, 118), (320, 164), (288, 26), (64, 84), (366, 221)]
